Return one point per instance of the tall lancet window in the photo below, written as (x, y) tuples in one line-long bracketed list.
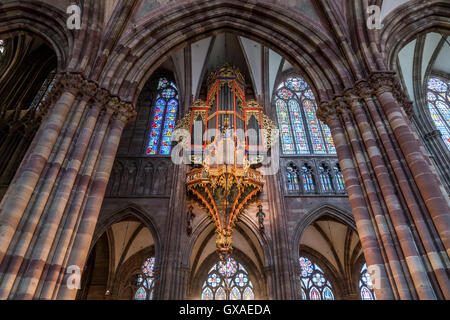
[(292, 178), (228, 280), (308, 179), (164, 118), (339, 178), (325, 179), (365, 285), (146, 280), (44, 91), (314, 283), (439, 106), (301, 131)]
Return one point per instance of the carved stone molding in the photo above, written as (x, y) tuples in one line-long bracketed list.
[(433, 135), (91, 92), (378, 83), (389, 82)]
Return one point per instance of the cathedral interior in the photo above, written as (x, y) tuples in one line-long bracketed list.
[(225, 150)]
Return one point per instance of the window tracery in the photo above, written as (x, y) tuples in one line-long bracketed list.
[(164, 118), (228, 280)]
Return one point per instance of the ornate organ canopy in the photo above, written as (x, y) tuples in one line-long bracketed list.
[(229, 138)]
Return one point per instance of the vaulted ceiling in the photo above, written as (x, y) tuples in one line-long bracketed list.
[(425, 56), (337, 242)]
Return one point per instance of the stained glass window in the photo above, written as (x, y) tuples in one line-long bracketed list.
[(292, 178), (301, 130), (308, 179), (44, 91), (339, 178), (365, 285), (228, 280), (314, 284), (439, 106), (164, 118), (325, 180), (146, 280)]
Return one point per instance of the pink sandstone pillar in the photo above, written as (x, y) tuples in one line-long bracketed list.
[(371, 243)]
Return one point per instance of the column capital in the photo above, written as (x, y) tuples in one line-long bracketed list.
[(330, 110), (121, 110), (91, 91), (383, 82), (433, 134)]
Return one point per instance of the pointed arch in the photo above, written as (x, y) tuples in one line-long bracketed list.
[(149, 43), (41, 19), (129, 210), (249, 245), (302, 133)]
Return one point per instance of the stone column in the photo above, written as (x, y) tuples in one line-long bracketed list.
[(53, 196), (374, 136), (79, 249), (371, 239), (172, 282), (18, 196), (429, 185)]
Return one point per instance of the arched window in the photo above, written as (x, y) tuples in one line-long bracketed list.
[(146, 280), (339, 178), (301, 131), (439, 106), (292, 179), (365, 285), (308, 179), (44, 91), (325, 179), (2, 46), (314, 284), (164, 117), (228, 280)]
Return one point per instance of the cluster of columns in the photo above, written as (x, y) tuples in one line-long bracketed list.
[(400, 207), (49, 213)]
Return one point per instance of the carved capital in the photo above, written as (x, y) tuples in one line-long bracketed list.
[(121, 110), (383, 82), (433, 135), (72, 82)]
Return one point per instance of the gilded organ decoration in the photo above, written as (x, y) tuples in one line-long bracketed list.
[(228, 141)]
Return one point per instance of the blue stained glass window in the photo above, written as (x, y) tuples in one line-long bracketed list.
[(325, 180), (339, 177), (164, 119), (292, 178), (365, 285), (314, 284), (307, 179), (145, 280), (439, 106), (44, 91), (285, 127), (301, 130), (227, 280)]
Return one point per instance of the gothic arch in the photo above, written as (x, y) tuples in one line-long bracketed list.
[(327, 267), (206, 224), (41, 19), (121, 214), (406, 22), (148, 44), (204, 232), (345, 217), (339, 270), (255, 275)]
